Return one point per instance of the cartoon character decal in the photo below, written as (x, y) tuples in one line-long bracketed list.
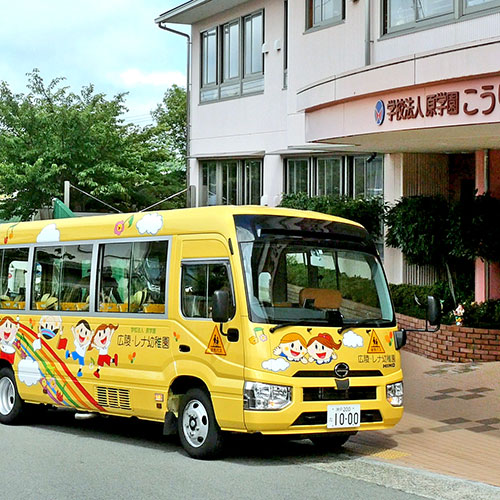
[(293, 347), (82, 338), (101, 341), (321, 349), (8, 331)]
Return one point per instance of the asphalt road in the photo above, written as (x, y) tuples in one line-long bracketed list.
[(59, 457)]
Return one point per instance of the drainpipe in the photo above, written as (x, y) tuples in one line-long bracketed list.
[(486, 180), (368, 59), (188, 104)]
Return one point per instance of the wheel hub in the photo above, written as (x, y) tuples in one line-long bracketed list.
[(7, 396), (195, 423)]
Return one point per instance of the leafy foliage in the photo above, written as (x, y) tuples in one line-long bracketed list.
[(431, 230), (474, 230), (479, 315), (416, 225), (368, 212), (52, 134)]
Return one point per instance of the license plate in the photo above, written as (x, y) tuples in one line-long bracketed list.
[(343, 416)]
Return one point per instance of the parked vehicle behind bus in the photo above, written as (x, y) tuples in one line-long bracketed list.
[(211, 320)]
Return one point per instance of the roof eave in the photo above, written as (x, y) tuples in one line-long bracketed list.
[(182, 14)]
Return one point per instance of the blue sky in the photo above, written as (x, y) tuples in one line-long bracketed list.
[(113, 44)]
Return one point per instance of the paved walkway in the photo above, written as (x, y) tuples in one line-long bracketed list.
[(451, 423)]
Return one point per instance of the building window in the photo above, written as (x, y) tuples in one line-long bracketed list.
[(238, 67), (324, 12), (230, 182), (285, 44), (368, 177), (329, 176), (254, 60), (297, 176), (475, 5), (231, 51), (358, 176), (209, 57), (409, 14)]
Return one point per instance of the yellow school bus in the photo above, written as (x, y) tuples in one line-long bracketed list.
[(211, 320)]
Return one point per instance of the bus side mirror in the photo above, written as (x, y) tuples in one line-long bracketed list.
[(220, 306), (433, 312)]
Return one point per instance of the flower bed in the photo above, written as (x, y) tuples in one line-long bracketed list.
[(452, 343)]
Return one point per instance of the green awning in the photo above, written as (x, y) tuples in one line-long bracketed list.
[(61, 211)]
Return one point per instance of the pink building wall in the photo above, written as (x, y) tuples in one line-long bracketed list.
[(487, 275)]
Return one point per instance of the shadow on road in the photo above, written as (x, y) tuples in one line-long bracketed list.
[(254, 449)]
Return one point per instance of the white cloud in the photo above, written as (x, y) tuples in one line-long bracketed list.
[(150, 223), (133, 77), (275, 365), (48, 233), (352, 339), (28, 372)]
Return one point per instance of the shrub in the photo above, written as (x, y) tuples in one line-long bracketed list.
[(369, 212)]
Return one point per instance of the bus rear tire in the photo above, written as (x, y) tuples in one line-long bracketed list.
[(199, 432), (11, 404), (332, 441)]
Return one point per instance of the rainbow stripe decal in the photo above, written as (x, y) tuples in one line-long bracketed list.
[(46, 367)]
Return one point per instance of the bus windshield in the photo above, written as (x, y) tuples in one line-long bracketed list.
[(297, 276)]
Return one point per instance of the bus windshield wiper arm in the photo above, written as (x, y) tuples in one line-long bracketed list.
[(363, 322), (291, 323)]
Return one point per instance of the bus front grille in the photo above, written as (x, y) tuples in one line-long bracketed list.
[(332, 394), (110, 397)]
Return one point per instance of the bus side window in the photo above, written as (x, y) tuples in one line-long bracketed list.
[(13, 271), (75, 277), (132, 277), (61, 280), (46, 279), (198, 284)]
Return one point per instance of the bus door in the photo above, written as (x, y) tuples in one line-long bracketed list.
[(209, 350)]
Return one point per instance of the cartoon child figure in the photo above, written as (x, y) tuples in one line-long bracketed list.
[(293, 347), (101, 341), (48, 328), (321, 349), (83, 336), (8, 332)]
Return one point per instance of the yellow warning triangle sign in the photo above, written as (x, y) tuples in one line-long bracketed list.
[(375, 347), (215, 345)]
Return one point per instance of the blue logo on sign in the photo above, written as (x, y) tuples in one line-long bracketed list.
[(379, 112)]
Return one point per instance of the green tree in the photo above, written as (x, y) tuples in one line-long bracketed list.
[(52, 134), (171, 122)]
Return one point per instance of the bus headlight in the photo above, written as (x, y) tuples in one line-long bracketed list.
[(394, 393), (258, 396)]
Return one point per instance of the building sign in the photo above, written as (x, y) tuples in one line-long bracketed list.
[(469, 101), (379, 112)]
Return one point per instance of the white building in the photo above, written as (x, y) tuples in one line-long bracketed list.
[(298, 95)]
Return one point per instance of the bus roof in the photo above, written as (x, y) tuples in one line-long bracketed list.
[(215, 219)]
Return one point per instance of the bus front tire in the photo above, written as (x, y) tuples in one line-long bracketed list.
[(11, 404), (199, 432)]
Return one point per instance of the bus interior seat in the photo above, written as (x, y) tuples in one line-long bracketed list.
[(323, 298)]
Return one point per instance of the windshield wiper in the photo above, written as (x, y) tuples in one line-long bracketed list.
[(363, 322), (291, 323)]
